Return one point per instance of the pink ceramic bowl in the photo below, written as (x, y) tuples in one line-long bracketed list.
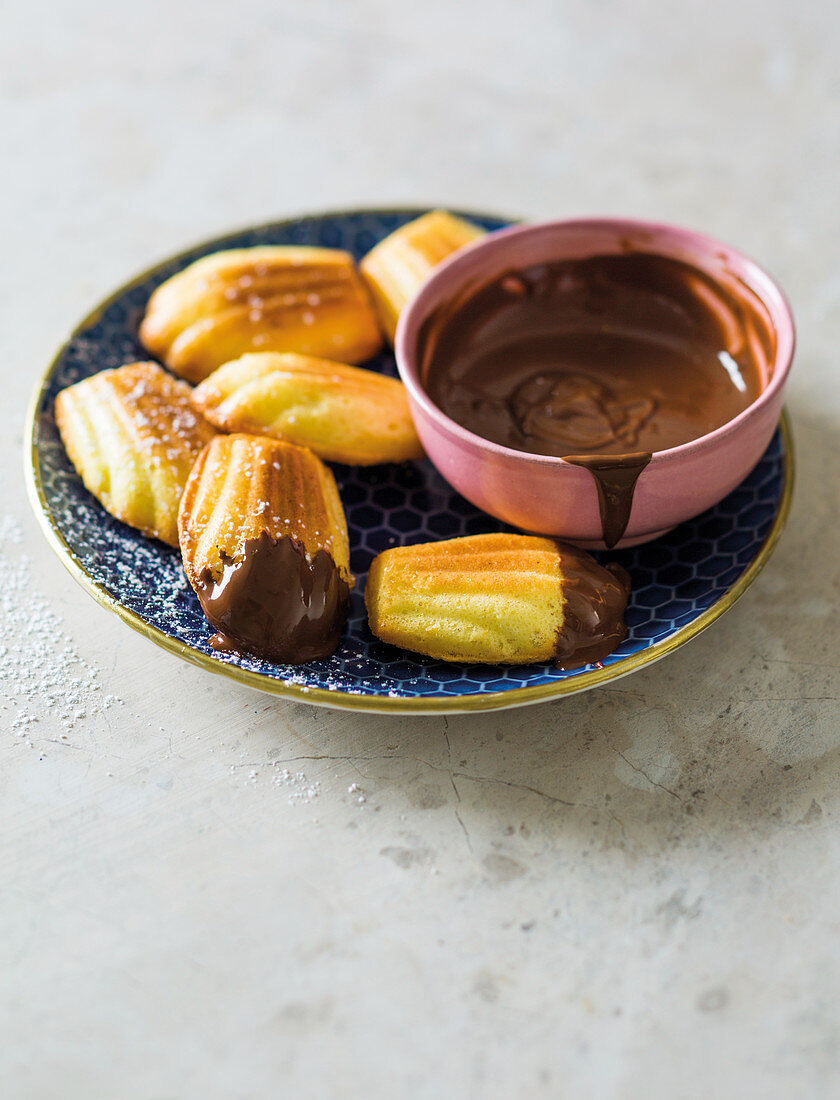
[(547, 495)]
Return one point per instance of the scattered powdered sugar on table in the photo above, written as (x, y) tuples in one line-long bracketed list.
[(42, 676), (10, 530), (299, 787)]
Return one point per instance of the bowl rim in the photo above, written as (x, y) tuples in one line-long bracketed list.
[(408, 324)]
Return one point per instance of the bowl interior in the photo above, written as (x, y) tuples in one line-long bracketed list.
[(523, 246)]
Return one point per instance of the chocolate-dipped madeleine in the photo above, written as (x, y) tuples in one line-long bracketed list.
[(497, 599), (264, 545)]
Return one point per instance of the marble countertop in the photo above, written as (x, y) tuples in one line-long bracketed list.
[(212, 893)]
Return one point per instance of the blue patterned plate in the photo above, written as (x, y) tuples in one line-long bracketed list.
[(681, 583)]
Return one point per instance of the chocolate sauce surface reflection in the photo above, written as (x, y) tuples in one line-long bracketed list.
[(614, 355), (276, 602)]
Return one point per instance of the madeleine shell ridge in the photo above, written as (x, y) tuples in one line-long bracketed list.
[(343, 413), (479, 599), (396, 267), (133, 436), (243, 486), (267, 298)]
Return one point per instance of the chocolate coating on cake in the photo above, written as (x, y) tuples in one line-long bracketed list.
[(595, 599), (276, 602)]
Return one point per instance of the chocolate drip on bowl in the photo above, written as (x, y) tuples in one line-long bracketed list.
[(616, 479)]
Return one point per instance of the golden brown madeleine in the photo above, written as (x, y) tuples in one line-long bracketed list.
[(271, 298), (497, 599), (133, 435), (264, 545), (395, 268), (344, 414)]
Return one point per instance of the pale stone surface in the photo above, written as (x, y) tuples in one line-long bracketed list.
[(627, 893)]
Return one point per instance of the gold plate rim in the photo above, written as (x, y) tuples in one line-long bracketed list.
[(343, 700)]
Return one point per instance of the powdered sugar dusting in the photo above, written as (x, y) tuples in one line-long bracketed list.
[(41, 671), (10, 530), (300, 789)]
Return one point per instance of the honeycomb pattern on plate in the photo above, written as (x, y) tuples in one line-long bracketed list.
[(675, 579)]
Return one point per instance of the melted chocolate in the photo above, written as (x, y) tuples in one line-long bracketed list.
[(593, 616), (615, 478), (618, 355), (276, 602)]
